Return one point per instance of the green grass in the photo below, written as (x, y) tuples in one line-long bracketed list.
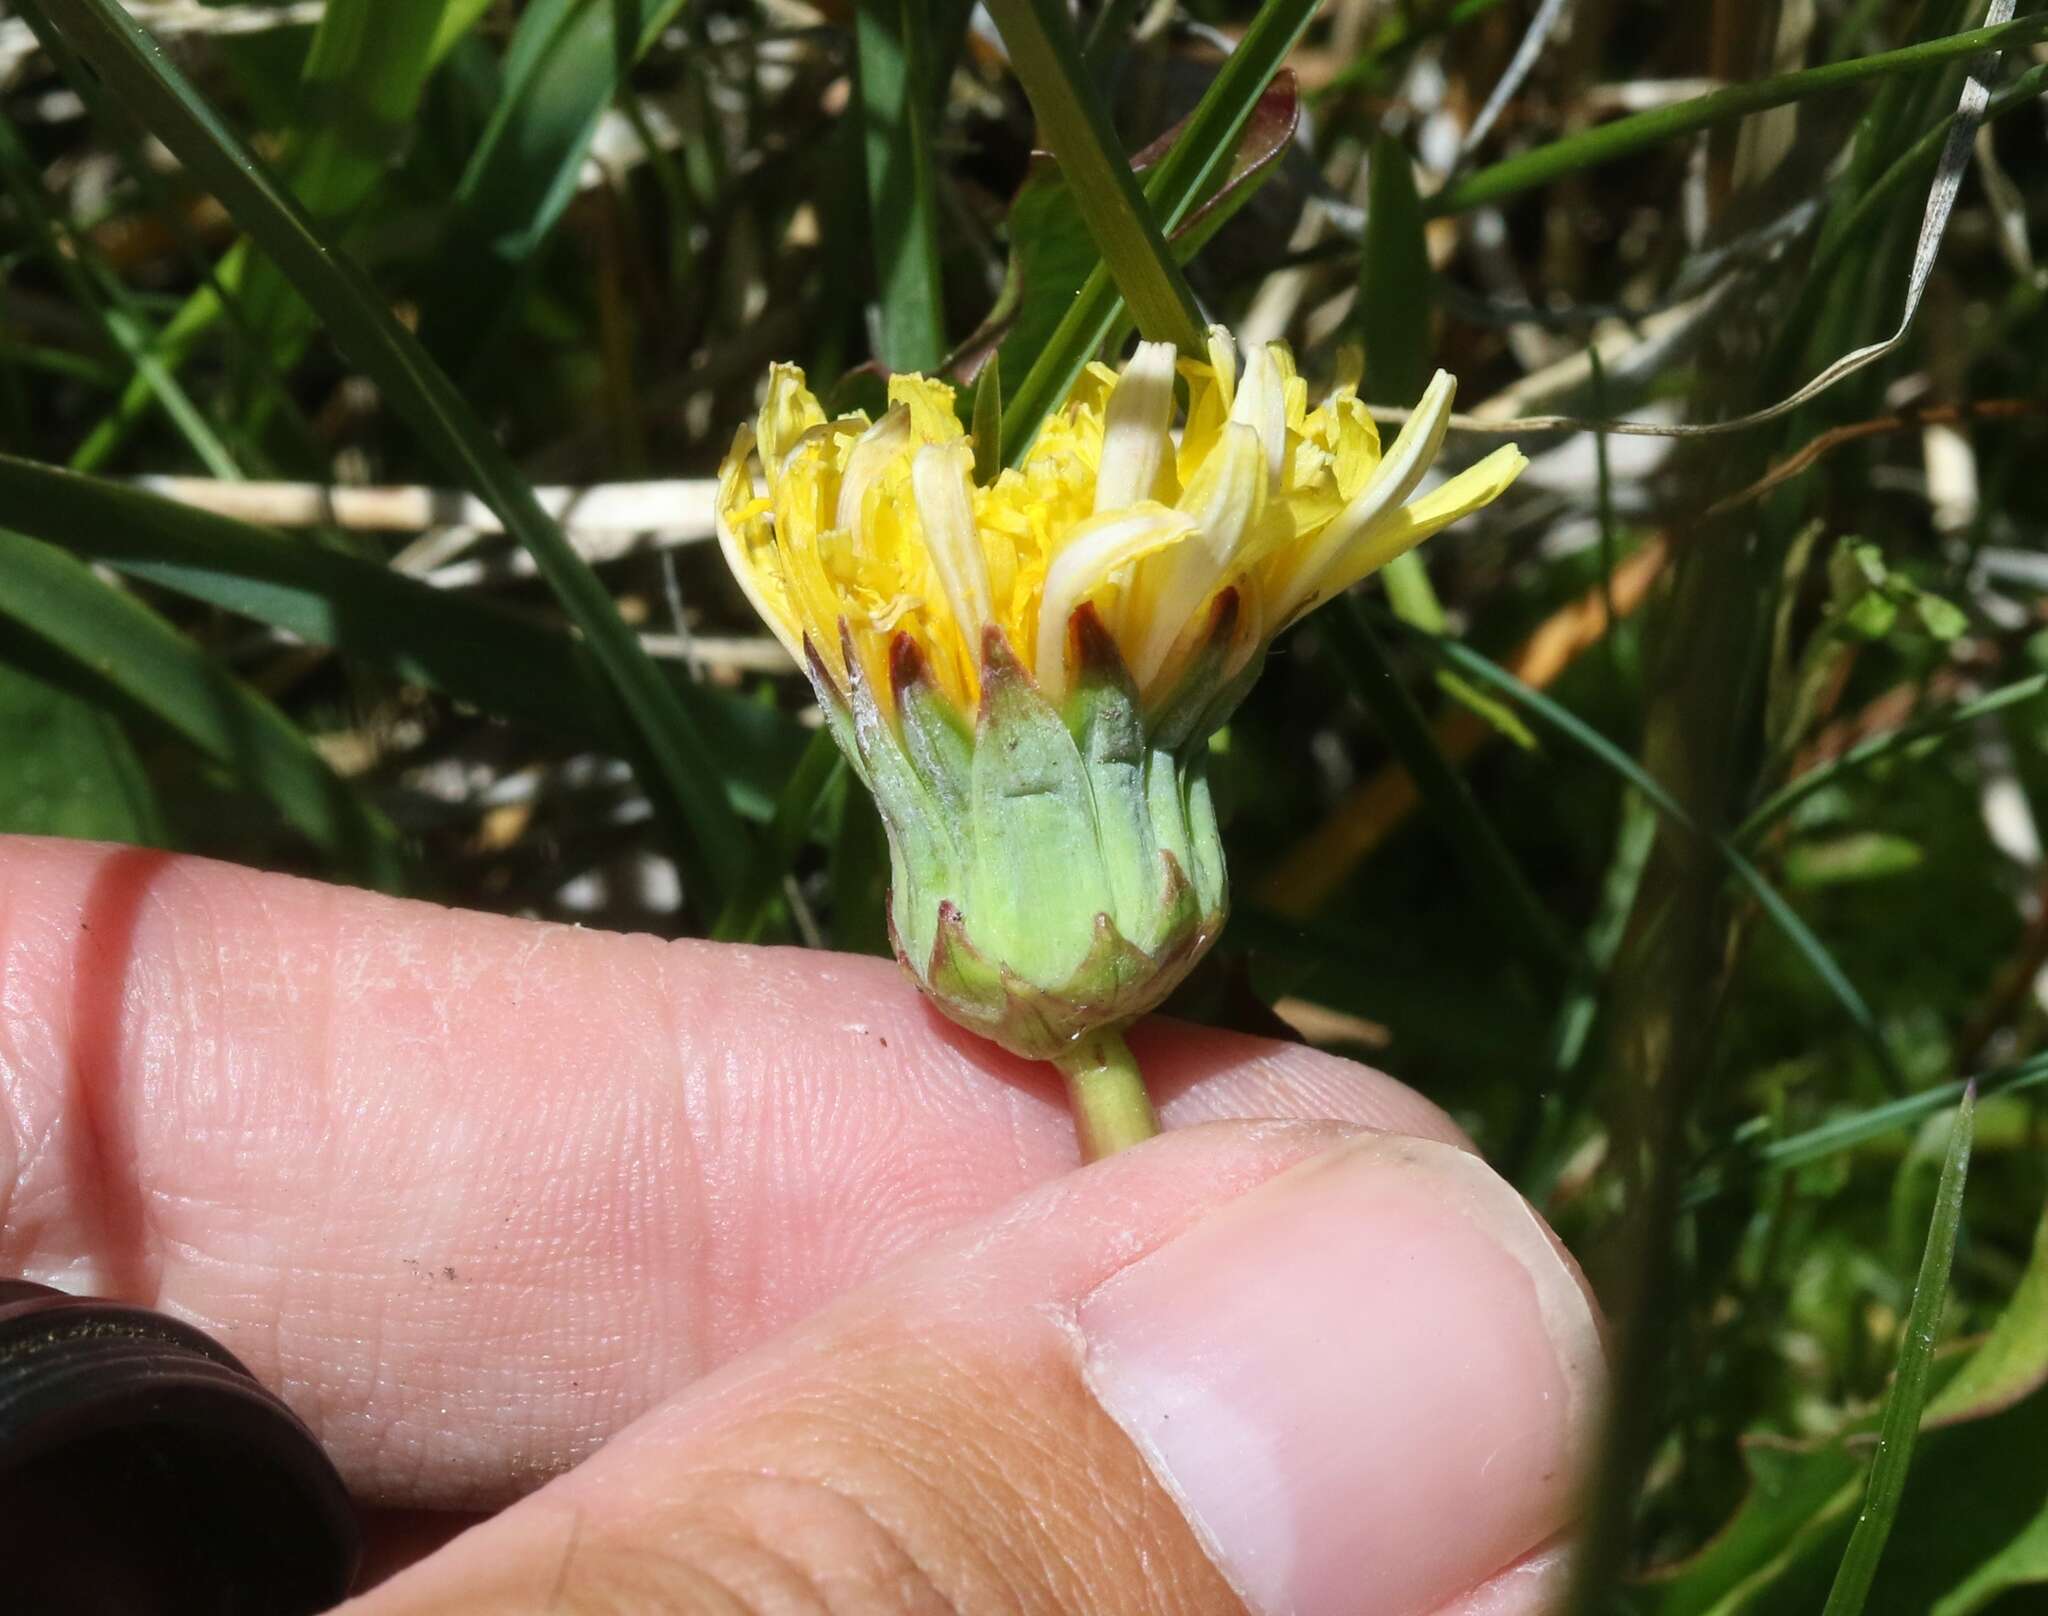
[(1701, 915)]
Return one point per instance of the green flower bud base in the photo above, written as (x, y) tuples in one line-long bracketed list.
[(1055, 870)]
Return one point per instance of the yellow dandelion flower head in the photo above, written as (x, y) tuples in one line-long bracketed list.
[(852, 536)]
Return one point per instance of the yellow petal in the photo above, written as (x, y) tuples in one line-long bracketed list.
[(930, 403), (1261, 404), (1135, 445), (1391, 482), (787, 413), (1097, 550), (1211, 388), (1399, 531), (1223, 363), (758, 578), (1226, 500), (871, 456), (942, 477)]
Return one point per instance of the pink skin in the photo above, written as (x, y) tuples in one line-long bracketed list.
[(475, 1194)]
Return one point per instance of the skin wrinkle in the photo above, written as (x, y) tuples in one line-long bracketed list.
[(695, 1153), (864, 1441), (890, 1558)]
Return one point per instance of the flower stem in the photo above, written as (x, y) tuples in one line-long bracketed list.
[(1111, 1108)]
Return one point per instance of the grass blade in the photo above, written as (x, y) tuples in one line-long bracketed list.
[(747, 913), (1396, 291), (1396, 287), (1900, 1425), (677, 771), (130, 650), (1626, 136), (1215, 175), (1922, 732), (988, 420), (903, 222), (77, 262), (562, 68), (1497, 881), (360, 88), (359, 92), (1484, 671), (1833, 1137), (498, 661), (1077, 128)]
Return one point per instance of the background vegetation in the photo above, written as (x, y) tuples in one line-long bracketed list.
[(1678, 827)]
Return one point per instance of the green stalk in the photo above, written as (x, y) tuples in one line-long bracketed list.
[(1200, 158), (1632, 134), (1112, 1111), (1070, 113)]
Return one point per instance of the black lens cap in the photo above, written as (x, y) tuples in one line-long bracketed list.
[(145, 1472)]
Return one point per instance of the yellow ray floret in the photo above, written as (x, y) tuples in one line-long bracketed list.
[(880, 525)]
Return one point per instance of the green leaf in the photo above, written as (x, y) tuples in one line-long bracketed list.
[(124, 645), (2011, 1362), (1899, 1428), (678, 771), (1972, 1525), (1943, 619), (502, 662), (71, 770), (2021, 1563)]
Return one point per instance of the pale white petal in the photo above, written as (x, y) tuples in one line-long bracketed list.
[(1097, 549), (736, 487), (1223, 360), (942, 479), (1224, 500), (1392, 481), (1135, 444), (878, 446), (1261, 404)]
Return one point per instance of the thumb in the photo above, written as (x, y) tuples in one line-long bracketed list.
[(1275, 1364)]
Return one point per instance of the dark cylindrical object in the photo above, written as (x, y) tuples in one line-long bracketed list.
[(145, 1472)]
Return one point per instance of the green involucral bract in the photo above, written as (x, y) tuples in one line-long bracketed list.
[(1055, 869)]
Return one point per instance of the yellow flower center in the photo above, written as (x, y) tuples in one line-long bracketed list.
[(845, 533)]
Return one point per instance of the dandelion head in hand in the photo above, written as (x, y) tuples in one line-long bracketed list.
[(1026, 671)]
